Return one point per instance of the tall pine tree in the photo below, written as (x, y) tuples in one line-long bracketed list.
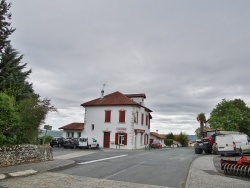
[(5, 25), (22, 110), (13, 76)]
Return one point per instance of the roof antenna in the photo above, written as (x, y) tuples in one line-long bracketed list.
[(102, 92)]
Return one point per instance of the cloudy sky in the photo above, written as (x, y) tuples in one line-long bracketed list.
[(186, 56)]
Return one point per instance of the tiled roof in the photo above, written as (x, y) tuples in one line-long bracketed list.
[(116, 98), (73, 126), (157, 135), (136, 95)]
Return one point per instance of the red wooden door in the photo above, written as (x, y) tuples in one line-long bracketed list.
[(106, 139)]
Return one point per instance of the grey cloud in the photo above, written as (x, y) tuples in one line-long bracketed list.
[(186, 56)]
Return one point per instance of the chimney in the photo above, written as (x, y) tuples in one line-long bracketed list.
[(102, 93)]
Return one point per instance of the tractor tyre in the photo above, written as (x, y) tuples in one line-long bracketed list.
[(215, 149), (197, 150)]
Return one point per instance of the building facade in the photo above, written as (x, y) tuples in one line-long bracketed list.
[(118, 120)]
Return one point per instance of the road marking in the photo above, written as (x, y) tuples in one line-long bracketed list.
[(102, 159), (126, 169)]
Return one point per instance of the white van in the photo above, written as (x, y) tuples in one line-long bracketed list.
[(88, 142), (233, 144)]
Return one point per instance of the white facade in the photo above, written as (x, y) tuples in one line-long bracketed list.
[(72, 133), (135, 130)]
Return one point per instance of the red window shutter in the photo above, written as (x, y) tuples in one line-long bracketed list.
[(116, 138), (125, 138), (107, 115), (122, 116)]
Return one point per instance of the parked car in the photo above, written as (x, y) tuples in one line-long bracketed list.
[(233, 144), (71, 143), (156, 144), (88, 142), (57, 141)]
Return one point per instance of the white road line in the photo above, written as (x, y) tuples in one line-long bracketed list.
[(102, 159), (127, 169)]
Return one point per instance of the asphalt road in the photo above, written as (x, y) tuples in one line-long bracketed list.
[(161, 167)]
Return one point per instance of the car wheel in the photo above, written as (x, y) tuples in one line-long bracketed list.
[(97, 146)]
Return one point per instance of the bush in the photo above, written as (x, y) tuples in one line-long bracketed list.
[(46, 139)]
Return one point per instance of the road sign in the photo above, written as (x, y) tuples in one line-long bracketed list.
[(48, 127)]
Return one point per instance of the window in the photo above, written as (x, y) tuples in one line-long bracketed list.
[(145, 138), (136, 117), (107, 115), (121, 138), (141, 140), (79, 134), (92, 127), (142, 117), (122, 116), (70, 134), (146, 119)]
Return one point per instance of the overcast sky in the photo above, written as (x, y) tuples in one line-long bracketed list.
[(186, 56)]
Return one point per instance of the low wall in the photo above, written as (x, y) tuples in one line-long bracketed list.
[(19, 154)]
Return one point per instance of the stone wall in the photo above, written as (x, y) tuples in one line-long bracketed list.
[(19, 154)]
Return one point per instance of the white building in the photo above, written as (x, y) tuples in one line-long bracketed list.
[(117, 120)]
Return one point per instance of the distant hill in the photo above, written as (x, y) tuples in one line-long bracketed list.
[(192, 137), (53, 133)]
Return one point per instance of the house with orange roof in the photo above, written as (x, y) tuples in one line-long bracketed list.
[(118, 120), (157, 137)]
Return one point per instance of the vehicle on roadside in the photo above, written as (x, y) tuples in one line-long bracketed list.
[(207, 142), (57, 141), (156, 144), (88, 142), (233, 144), (71, 143)]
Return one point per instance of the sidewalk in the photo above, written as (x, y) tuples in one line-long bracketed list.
[(203, 174), (32, 168)]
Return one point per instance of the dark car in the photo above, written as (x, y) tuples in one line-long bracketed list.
[(57, 141), (156, 144), (71, 143)]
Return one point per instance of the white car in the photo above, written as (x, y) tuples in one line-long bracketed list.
[(233, 144), (88, 142)]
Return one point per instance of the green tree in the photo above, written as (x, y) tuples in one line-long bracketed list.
[(32, 113), (26, 110), (8, 119), (170, 135), (231, 115), (182, 138), (5, 25), (201, 118), (168, 142), (13, 75)]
